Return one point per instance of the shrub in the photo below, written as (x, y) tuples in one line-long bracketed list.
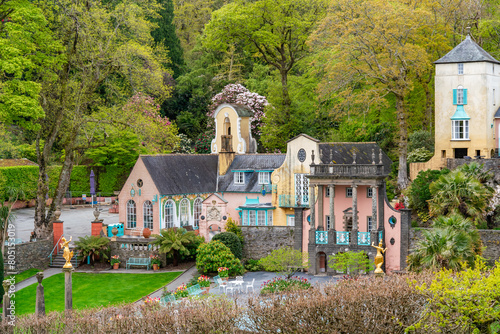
[(286, 261), (94, 246), (231, 226), (214, 255), (421, 139), (351, 263), (232, 241), (253, 265), (418, 193), (419, 155), (1, 273), (279, 284)]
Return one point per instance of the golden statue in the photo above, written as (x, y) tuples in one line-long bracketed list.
[(379, 258), (67, 255)]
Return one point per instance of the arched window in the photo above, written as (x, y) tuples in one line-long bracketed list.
[(147, 209), (169, 214), (131, 214), (184, 212), (197, 211)]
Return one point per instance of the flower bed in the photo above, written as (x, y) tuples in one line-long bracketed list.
[(283, 285)]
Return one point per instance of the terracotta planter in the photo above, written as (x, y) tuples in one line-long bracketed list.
[(205, 290), (146, 233), (155, 267), (224, 278), (116, 265)]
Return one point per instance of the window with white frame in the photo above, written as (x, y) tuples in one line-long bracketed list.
[(244, 217), (251, 217), (131, 214), (147, 209), (290, 220), (184, 212), (460, 68), (168, 214), (264, 177), (261, 217), (369, 192), (239, 178), (327, 219), (460, 95), (197, 211), (460, 129), (327, 191), (369, 223), (348, 192), (269, 218), (301, 189)]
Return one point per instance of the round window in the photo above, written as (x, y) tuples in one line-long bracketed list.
[(139, 183), (301, 155)]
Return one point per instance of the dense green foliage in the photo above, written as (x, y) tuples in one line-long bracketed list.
[(232, 241), (279, 284), (253, 265), (231, 226), (1, 272), (286, 261), (95, 247), (174, 242), (351, 263), (214, 255)]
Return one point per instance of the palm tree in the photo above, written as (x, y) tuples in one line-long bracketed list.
[(459, 223), (457, 193), (173, 242), (477, 171), (93, 246), (442, 248)]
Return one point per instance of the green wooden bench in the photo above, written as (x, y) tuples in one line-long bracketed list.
[(138, 261), (167, 299), (194, 290)]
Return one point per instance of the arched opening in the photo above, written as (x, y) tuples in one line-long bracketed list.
[(213, 230), (227, 126)]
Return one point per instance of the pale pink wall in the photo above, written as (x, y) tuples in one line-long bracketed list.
[(237, 199), (341, 203), (205, 224), (392, 254), (148, 190)]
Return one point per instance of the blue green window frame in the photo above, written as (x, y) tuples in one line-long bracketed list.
[(245, 217), (456, 96)]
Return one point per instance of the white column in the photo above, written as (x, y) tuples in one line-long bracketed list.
[(332, 210), (374, 208), (312, 200), (354, 207)]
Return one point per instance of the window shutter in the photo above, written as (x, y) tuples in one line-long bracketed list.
[(454, 96), (465, 96)]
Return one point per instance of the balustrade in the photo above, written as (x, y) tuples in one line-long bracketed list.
[(321, 237)]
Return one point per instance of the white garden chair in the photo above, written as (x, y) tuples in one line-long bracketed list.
[(250, 286)]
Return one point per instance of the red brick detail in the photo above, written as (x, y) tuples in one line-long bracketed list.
[(96, 228), (58, 231)]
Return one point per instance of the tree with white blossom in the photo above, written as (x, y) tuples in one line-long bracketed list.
[(238, 94)]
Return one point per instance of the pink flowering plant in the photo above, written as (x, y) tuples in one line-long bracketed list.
[(280, 284), (155, 259), (204, 281), (238, 94), (181, 292), (223, 271), (115, 259)]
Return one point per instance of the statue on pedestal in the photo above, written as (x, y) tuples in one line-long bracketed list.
[(67, 254)]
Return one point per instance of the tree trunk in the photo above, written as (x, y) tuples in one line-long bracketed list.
[(286, 96), (176, 260), (43, 226), (403, 143)]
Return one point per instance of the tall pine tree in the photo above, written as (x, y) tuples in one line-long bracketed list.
[(165, 34)]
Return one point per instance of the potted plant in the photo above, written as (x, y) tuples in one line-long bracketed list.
[(204, 283), (155, 261), (181, 292), (115, 261), (223, 273)]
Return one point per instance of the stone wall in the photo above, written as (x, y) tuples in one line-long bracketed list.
[(492, 165), (261, 240), (490, 238), (135, 247), (28, 255)]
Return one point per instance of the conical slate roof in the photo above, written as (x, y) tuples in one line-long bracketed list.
[(467, 52)]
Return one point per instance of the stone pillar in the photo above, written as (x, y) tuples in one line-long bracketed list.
[(68, 289), (96, 227), (312, 205), (374, 208), (354, 232), (321, 226), (298, 229), (58, 230), (332, 209), (6, 300), (40, 297)]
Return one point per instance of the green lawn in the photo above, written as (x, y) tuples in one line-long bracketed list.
[(25, 274), (92, 290)]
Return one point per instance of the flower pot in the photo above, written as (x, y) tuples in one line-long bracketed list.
[(205, 290), (224, 278), (146, 233), (155, 266), (116, 265)]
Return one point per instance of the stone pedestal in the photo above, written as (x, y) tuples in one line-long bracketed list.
[(40, 297), (96, 227), (58, 228), (6, 300), (68, 289)]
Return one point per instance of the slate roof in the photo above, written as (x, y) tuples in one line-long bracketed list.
[(241, 109), (467, 52), (342, 153), (497, 114), (183, 173), (254, 162)]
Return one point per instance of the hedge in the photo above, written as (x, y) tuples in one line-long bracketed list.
[(25, 178)]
